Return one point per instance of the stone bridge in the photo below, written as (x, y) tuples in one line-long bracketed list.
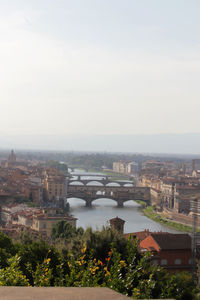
[(85, 179), (120, 194), (103, 181)]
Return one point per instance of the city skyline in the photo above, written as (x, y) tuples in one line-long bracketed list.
[(99, 67), (171, 144)]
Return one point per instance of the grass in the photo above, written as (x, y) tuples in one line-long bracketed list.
[(142, 203), (150, 212)]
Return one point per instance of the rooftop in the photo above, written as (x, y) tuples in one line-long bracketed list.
[(172, 241)]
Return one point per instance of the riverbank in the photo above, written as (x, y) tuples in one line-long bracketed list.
[(150, 212)]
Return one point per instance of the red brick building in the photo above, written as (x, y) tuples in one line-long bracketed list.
[(171, 251)]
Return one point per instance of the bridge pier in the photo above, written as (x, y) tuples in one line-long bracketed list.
[(88, 202), (120, 203)]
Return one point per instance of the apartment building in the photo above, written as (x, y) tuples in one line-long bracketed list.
[(171, 251), (36, 220), (125, 167), (54, 184)]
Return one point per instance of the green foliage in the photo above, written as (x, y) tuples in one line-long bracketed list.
[(99, 242), (64, 230), (142, 203), (180, 285), (12, 275), (104, 259), (7, 249), (151, 213), (33, 253), (43, 273)]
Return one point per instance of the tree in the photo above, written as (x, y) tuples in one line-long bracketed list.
[(64, 230), (99, 242), (7, 249), (12, 275)]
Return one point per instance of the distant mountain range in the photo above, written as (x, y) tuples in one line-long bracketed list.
[(188, 143)]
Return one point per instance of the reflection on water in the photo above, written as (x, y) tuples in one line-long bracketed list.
[(103, 210)]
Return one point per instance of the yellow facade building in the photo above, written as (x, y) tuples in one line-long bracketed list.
[(44, 222), (54, 184)]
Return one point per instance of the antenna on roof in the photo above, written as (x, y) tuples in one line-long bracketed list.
[(194, 209)]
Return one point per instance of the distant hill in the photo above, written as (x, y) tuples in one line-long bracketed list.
[(188, 143)]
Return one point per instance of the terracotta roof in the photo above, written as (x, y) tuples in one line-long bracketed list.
[(141, 235), (172, 241)]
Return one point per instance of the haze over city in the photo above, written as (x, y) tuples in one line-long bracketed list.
[(78, 71), (99, 149)]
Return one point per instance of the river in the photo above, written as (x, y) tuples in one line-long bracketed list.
[(103, 210)]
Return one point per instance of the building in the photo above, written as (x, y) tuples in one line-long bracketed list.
[(132, 167), (125, 167), (139, 235), (183, 197), (44, 221), (36, 220), (171, 251), (117, 224), (54, 184), (168, 192), (156, 197), (12, 158)]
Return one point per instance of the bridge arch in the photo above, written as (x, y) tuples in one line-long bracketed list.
[(104, 198), (75, 199), (76, 182), (128, 185), (113, 184), (94, 182)]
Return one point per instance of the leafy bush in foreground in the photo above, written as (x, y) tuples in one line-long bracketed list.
[(128, 272)]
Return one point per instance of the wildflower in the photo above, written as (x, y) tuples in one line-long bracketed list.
[(100, 262), (83, 250), (122, 262), (107, 272)]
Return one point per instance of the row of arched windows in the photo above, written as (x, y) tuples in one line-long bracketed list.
[(164, 262)]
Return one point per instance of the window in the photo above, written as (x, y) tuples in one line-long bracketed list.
[(155, 262), (190, 261), (163, 262), (44, 225), (177, 261)]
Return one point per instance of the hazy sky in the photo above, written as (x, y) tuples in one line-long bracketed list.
[(99, 66)]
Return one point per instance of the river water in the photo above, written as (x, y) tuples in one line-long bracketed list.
[(103, 210)]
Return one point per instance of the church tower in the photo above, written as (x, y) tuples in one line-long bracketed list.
[(12, 158), (117, 224)]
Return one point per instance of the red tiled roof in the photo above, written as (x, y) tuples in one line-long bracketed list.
[(141, 235), (172, 241)]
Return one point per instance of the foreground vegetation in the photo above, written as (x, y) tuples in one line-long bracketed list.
[(89, 259)]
